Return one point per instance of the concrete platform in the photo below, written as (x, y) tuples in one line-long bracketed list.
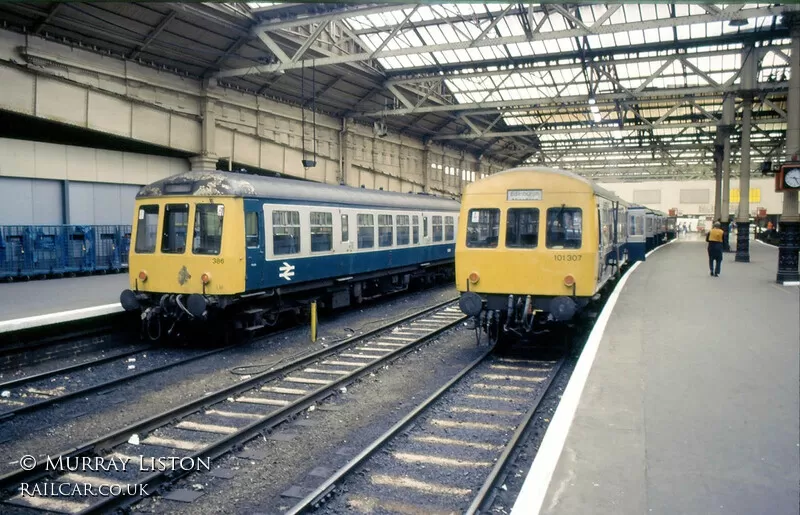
[(37, 303), (691, 403)]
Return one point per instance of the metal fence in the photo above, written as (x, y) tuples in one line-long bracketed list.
[(28, 251)]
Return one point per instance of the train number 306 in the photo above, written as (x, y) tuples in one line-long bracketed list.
[(218, 261), (567, 257)]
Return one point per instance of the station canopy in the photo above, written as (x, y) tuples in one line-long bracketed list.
[(606, 90)]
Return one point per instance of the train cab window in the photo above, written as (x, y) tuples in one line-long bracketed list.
[(564, 226), (415, 229), (402, 229), (345, 228), (146, 230), (176, 224), (449, 228), (285, 232), (208, 220), (436, 221), (522, 228), (366, 231), (251, 229), (321, 232), (483, 228), (385, 231)]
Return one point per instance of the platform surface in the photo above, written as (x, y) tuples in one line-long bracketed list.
[(32, 298), (692, 403)]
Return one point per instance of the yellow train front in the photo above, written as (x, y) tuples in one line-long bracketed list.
[(535, 246)]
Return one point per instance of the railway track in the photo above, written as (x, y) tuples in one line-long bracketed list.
[(449, 454), (38, 391), (211, 426)]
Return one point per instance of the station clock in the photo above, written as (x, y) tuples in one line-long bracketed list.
[(788, 178)]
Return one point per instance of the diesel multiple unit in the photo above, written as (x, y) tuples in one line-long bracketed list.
[(536, 245), (244, 248)]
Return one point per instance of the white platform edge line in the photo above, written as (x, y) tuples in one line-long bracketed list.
[(537, 482), (767, 244), (19, 324)]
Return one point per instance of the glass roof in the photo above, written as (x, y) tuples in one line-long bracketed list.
[(501, 33)]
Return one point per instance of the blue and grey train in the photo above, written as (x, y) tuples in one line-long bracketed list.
[(212, 244)]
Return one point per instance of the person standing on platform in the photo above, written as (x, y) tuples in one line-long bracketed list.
[(714, 239)]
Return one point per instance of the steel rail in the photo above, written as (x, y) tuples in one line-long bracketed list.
[(112, 439), (4, 415), (491, 480), (14, 383), (226, 443), (313, 499)]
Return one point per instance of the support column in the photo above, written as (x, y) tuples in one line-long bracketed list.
[(426, 167), (789, 226), (344, 151), (727, 126), (749, 75), (207, 159), (718, 152)]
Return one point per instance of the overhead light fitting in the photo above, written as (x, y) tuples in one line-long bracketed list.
[(738, 23)]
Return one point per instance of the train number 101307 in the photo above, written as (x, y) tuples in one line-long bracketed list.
[(567, 257)]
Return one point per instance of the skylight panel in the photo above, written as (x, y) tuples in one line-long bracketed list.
[(651, 35), (607, 40), (636, 37), (648, 12), (632, 13), (666, 34), (618, 17), (588, 14), (551, 46), (558, 22), (697, 30), (371, 41), (424, 13), (622, 39), (681, 10), (715, 28)]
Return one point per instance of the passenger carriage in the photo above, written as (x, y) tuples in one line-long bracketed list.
[(536, 245), (212, 243)]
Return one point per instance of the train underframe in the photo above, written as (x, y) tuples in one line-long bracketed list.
[(168, 315), (504, 318)]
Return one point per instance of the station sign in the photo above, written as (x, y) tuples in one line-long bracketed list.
[(512, 195)]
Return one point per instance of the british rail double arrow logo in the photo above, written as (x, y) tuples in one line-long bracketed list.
[(287, 271)]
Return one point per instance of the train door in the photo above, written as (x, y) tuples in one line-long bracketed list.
[(255, 243), (346, 240)]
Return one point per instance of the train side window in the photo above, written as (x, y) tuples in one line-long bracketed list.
[(522, 228), (285, 232), (207, 238), (424, 226), (176, 225), (345, 228), (321, 231), (437, 228), (251, 229), (564, 225), (146, 230), (483, 228), (366, 231), (402, 229), (449, 228), (415, 229), (385, 231)]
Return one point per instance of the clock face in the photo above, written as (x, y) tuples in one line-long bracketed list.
[(792, 178)]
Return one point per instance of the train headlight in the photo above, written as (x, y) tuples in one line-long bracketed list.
[(143, 276), (206, 278), (569, 281), (474, 277)]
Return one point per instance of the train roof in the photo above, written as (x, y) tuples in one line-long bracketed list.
[(547, 170), (231, 184)]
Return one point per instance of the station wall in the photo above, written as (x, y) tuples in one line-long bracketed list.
[(73, 86), (46, 183), (697, 197)]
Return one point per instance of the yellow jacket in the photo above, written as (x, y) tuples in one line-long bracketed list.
[(715, 236)]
